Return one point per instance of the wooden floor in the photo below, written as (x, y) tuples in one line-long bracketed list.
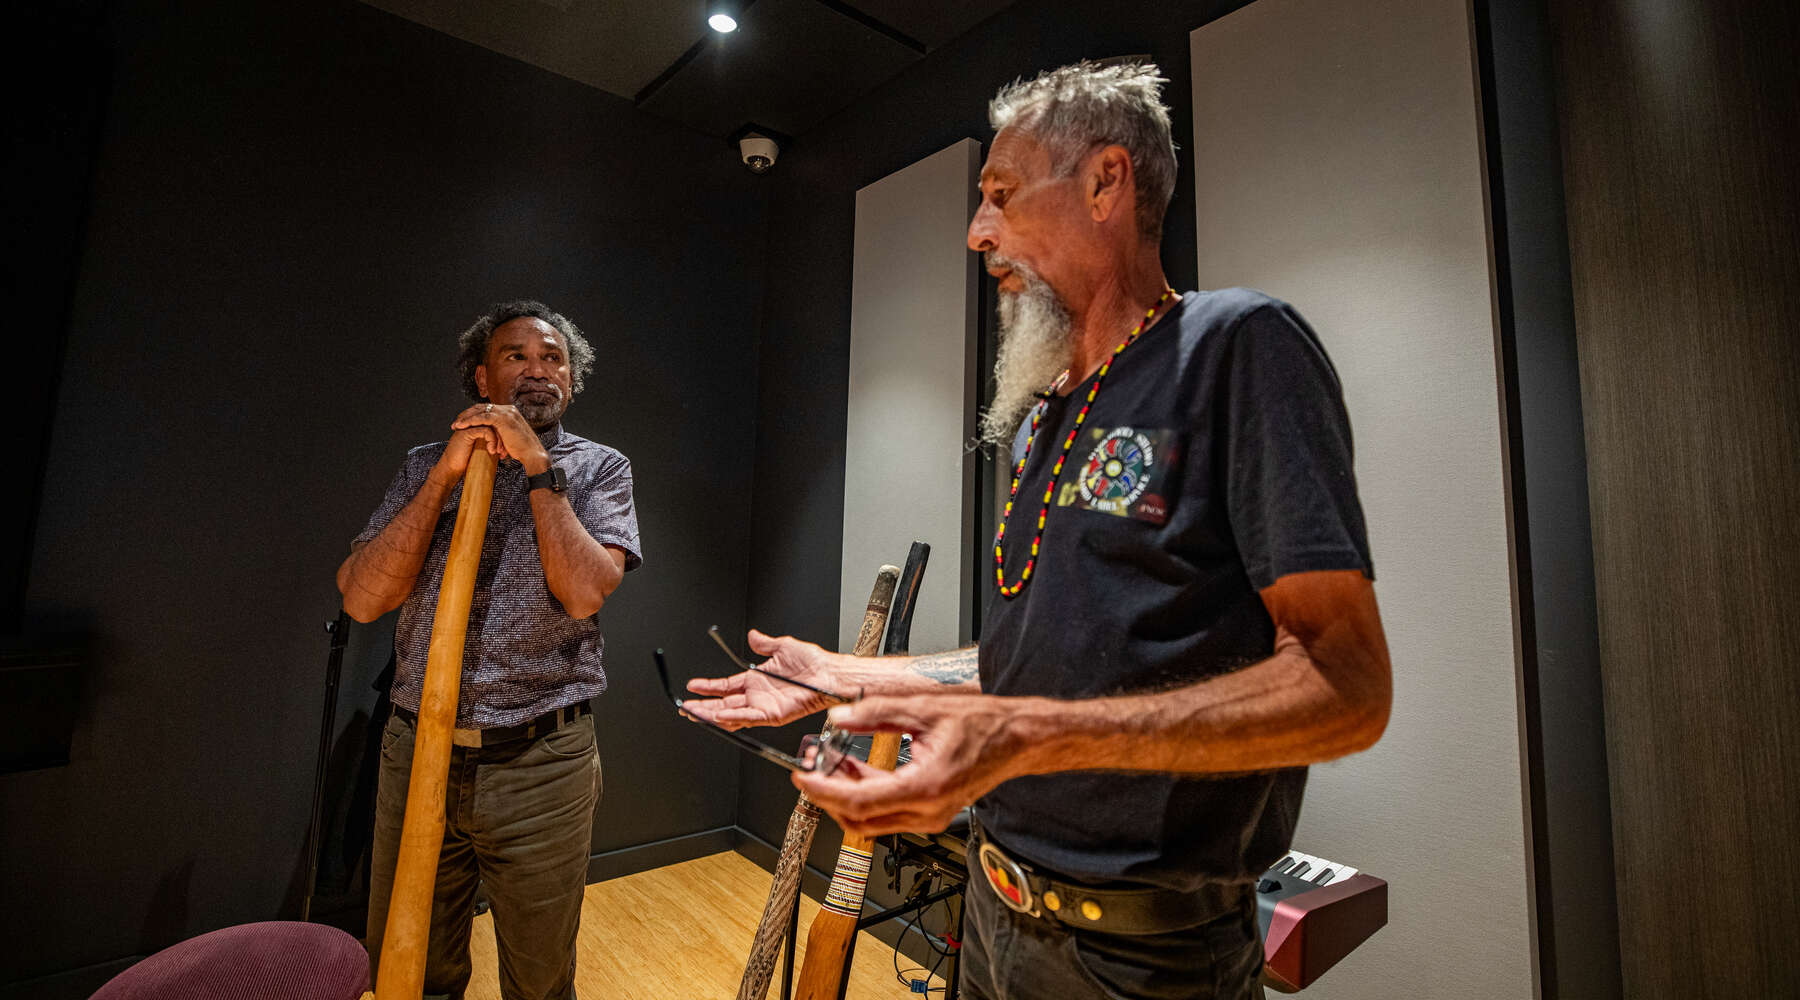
[(682, 933)]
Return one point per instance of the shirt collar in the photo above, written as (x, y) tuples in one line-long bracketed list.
[(551, 435)]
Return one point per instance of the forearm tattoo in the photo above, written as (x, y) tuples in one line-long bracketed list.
[(957, 666)]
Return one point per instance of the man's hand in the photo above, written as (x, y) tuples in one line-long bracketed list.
[(751, 699), (962, 746), (455, 460), (517, 439), (1324, 693)]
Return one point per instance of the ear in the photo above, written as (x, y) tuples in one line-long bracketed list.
[(1109, 182), (481, 380)]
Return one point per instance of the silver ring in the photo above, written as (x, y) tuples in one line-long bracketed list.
[(490, 408)]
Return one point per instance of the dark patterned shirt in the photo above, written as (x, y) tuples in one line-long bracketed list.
[(524, 655)]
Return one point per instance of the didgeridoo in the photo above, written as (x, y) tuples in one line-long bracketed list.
[(765, 947), (833, 932), (401, 975)]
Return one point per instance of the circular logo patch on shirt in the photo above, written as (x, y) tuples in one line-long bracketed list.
[(1117, 470)]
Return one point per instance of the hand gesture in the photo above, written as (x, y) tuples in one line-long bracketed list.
[(751, 699), (962, 746)]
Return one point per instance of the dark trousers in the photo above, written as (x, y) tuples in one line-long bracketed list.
[(518, 818), (1013, 956)]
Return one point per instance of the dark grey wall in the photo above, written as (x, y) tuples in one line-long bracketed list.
[(1680, 126), (295, 208), (1561, 713), (798, 504)]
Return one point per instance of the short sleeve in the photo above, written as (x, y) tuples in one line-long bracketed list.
[(1290, 488), (605, 508), (399, 493)]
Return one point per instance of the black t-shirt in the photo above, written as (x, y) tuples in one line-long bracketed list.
[(1215, 459)]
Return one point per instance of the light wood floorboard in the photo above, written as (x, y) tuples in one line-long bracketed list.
[(683, 932)]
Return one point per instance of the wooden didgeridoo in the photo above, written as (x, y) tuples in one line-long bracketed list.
[(765, 947), (829, 941), (401, 974)]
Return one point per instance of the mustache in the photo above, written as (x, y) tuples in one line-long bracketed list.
[(533, 385)]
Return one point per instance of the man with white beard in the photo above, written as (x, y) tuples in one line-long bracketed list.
[(1184, 616), (524, 771)]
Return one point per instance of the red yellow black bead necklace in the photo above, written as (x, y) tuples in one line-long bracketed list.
[(1037, 415)]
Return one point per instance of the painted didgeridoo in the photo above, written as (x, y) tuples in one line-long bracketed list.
[(833, 933), (401, 975), (772, 929)]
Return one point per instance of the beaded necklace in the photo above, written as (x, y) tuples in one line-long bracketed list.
[(1037, 416)]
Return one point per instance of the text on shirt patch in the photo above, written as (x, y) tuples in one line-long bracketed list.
[(1126, 474)]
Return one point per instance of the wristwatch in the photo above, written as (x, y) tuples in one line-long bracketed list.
[(553, 479)]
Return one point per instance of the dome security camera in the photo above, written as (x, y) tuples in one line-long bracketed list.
[(759, 152)]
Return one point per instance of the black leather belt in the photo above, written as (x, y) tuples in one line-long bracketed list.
[(1023, 889), (530, 729)]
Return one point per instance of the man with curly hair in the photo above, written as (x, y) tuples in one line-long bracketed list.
[(524, 773)]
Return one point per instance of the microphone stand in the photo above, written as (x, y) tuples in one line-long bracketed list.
[(334, 666)]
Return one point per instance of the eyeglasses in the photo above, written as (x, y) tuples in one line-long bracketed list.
[(828, 752), (713, 632)]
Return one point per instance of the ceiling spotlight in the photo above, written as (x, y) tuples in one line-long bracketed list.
[(722, 23)]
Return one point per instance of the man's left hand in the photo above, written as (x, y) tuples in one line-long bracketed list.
[(962, 745), (516, 434)]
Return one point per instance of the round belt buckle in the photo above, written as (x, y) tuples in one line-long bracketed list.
[(1007, 879)]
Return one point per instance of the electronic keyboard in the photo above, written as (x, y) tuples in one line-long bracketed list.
[(1312, 912)]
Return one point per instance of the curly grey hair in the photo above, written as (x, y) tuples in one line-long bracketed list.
[(472, 344), (1076, 109)]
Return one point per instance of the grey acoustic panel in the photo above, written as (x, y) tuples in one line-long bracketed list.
[(907, 472), (1338, 166)]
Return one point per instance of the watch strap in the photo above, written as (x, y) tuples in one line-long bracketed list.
[(553, 479)]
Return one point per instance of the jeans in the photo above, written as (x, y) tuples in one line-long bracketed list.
[(519, 818), (1013, 956)]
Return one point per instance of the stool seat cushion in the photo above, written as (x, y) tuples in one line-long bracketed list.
[(273, 960)]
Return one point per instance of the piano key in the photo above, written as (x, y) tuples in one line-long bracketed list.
[(1289, 866), (1339, 871)]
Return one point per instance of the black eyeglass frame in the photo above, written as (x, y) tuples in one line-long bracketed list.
[(713, 632), (831, 749)]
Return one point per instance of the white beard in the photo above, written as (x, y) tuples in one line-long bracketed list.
[(1035, 347)]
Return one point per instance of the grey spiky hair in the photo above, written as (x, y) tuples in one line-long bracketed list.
[(1078, 108)]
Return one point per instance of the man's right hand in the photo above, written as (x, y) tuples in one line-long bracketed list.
[(751, 699), (455, 460)]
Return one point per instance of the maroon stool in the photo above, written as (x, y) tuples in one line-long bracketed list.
[(275, 960)]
